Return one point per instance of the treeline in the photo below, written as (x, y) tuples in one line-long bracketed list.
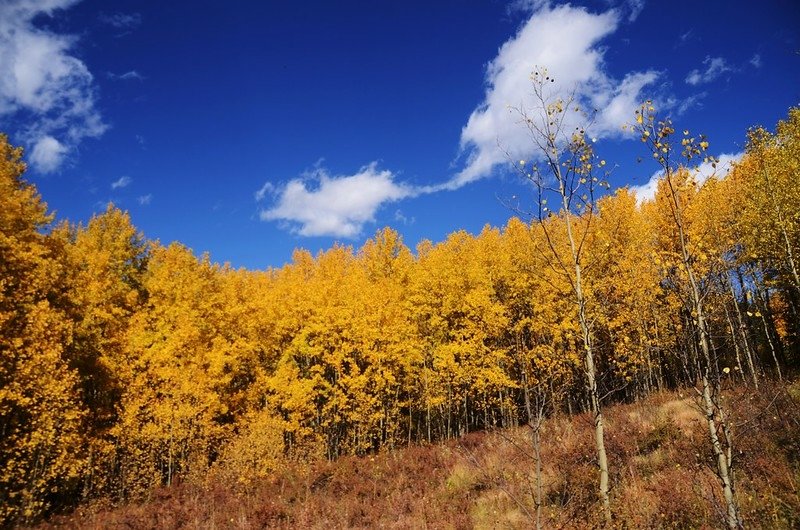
[(125, 363)]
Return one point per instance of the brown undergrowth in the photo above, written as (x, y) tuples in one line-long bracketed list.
[(660, 459)]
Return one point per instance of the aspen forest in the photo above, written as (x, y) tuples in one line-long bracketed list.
[(592, 320)]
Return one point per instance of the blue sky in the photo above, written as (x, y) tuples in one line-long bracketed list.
[(247, 129)]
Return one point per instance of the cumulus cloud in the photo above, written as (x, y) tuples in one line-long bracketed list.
[(43, 85), (646, 192), (318, 204), (714, 67), (567, 41), (121, 182)]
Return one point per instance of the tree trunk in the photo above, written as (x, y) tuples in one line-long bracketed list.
[(743, 332), (591, 370), (735, 340)]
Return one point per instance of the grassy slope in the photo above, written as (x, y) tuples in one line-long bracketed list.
[(657, 447)]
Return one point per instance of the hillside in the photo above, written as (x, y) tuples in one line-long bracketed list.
[(658, 448)]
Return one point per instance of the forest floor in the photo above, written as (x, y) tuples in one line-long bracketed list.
[(659, 453)]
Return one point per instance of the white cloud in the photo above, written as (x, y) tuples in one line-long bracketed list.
[(755, 60), (714, 67), (41, 83), (121, 182), (144, 200), (47, 154), (565, 40), (319, 204), (646, 192)]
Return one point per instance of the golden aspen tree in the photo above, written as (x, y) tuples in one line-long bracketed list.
[(717, 227), (41, 440), (173, 419), (386, 333), (248, 329), (772, 163), (106, 260), (458, 316), (626, 288), (336, 363), (770, 229), (254, 447), (289, 380)]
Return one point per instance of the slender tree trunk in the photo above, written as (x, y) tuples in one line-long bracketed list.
[(735, 340), (763, 309), (535, 419), (591, 370), (659, 371), (712, 409), (537, 452), (743, 332)]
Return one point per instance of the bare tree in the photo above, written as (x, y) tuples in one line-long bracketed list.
[(567, 175), (657, 135)]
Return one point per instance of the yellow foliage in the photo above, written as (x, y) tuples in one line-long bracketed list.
[(41, 447)]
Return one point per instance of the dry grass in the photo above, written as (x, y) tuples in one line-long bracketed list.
[(661, 474)]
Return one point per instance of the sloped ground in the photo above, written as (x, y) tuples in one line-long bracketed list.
[(661, 475)]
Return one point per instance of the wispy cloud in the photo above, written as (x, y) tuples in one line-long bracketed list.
[(683, 38), (319, 204), (400, 217), (682, 105), (131, 74), (575, 61), (725, 162), (714, 67), (632, 8), (267, 188), (121, 20), (635, 8), (121, 182), (44, 85), (755, 60), (144, 200)]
